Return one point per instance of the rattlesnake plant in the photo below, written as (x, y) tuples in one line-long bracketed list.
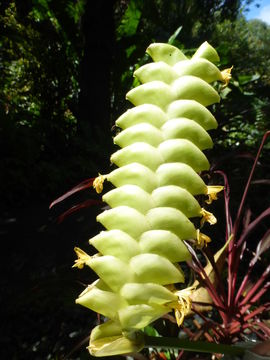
[(156, 182)]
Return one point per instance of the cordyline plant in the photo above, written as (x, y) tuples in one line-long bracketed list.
[(151, 226), (240, 301)]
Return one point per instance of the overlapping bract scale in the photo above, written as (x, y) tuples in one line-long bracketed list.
[(153, 202)]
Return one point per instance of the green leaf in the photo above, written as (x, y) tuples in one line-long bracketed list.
[(130, 20), (224, 92), (130, 50), (245, 79), (150, 331), (174, 35)]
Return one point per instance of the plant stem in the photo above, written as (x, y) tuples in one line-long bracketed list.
[(233, 266), (240, 210), (195, 346)]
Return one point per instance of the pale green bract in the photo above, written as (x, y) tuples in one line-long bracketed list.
[(153, 203)]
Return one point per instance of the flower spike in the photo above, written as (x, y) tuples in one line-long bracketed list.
[(154, 200)]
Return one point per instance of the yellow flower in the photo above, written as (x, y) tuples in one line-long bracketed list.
[(212, 191), (183, 306), (83, 258), (202, 239), (98, 183), (207, 216), (226, 76)]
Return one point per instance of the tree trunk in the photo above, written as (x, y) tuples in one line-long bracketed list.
[(94, 98)]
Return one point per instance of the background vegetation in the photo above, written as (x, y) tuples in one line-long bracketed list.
[(65, 69)]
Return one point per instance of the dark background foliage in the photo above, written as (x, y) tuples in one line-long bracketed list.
[(65, 68)]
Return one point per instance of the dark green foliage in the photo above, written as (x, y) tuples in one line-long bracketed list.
[(244, 112), (39, 317), (39, 88), (41, 108)]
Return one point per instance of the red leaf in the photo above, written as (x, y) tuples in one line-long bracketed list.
[(252, 226), (81, 186), (261, 182), (256, 286), (262, 246), (241, 206), (77, 207)]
